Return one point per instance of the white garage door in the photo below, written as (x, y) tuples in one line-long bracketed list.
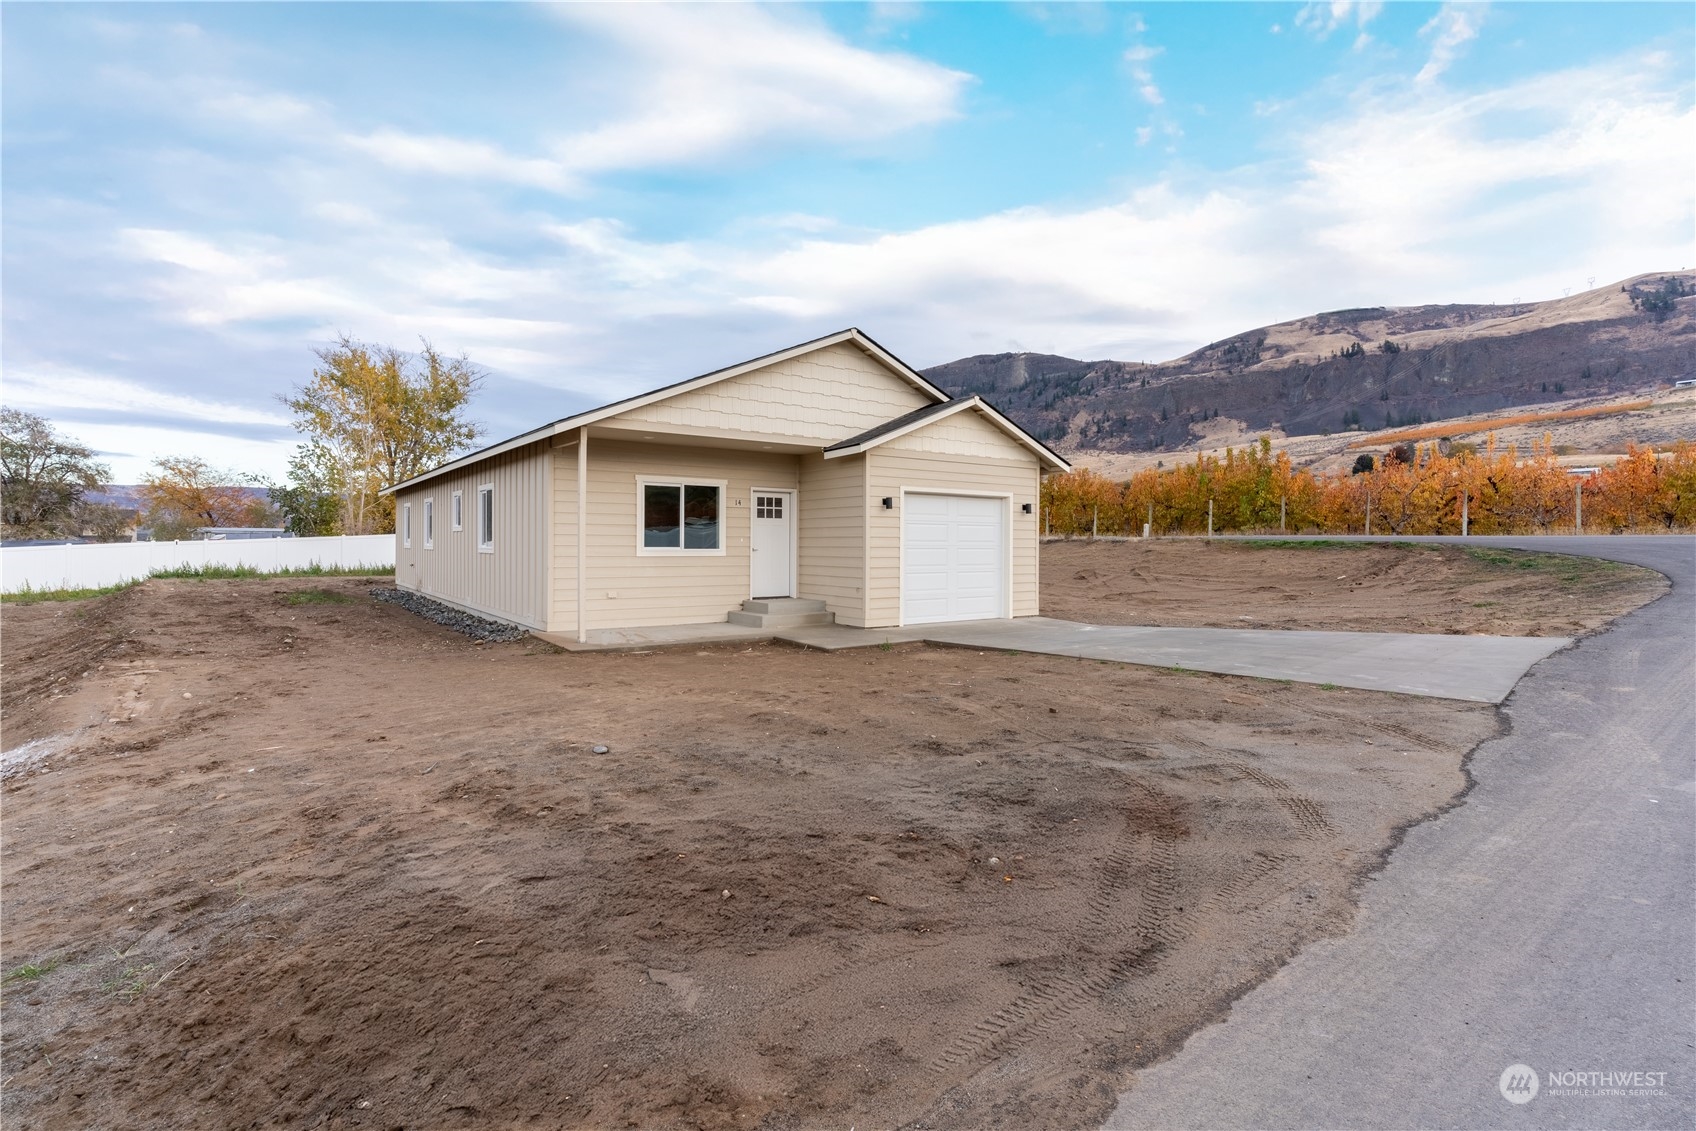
[(954, 558)]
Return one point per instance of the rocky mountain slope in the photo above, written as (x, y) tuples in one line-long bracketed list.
[(1369, 368)]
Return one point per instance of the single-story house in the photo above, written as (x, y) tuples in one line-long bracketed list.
[(831, 472)]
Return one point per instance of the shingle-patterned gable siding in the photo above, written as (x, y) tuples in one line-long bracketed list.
[(965, 433)]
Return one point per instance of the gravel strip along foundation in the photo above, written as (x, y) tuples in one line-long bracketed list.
[(472, 625)]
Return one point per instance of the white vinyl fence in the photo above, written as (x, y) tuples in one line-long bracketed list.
[(112, 563)]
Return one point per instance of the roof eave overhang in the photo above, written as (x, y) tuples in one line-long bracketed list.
[(1044, 456)]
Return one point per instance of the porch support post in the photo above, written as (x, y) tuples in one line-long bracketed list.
[(582, 531)]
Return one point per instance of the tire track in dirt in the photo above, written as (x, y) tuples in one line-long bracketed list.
[(1150, 855), (857, 960), (1158, 924), (1310, 818), (1408, 733)]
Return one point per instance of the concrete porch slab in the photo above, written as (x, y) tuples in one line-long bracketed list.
[(1478, 669), (664, 636)]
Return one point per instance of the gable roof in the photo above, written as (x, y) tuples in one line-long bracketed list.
[(930, 414), (565, 424)]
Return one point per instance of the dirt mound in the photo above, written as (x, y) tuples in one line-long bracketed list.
[(297, 858)]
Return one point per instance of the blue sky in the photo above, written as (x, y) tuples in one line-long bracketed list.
[(592, 200)]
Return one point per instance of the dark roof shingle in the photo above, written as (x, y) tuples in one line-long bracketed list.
[(898, 423)]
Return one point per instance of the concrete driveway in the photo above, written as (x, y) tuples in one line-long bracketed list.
[(1482, 669), (1548, 921)]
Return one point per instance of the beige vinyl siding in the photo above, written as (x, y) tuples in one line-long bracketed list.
[(510, 582), (625, 589), (824, 396), (832, 516), (895, 465)]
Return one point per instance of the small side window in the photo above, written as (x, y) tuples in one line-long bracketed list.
[(459, 510), (406, 524), (486, 519), (429, 524)]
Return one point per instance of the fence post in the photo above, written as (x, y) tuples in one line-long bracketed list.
[(1281, 528), (1094, 521), (1369, 516), (1465, 518), (1578, 506), (1210, 518), (1150, 526)]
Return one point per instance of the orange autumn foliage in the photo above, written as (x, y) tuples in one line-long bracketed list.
[(1506, 493)]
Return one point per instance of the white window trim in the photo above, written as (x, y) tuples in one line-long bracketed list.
[(458, 514), (406, 525), (489, 546), (430, 523), (643, 482)]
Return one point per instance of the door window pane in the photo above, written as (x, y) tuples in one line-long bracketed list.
[(661, 525)]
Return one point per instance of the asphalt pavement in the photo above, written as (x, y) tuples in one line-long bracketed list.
[(1537, 943)]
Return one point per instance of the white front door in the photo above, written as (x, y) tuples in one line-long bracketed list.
[(954, 558), (772, 544)]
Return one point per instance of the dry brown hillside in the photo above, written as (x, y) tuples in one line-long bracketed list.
[(1366, 368)]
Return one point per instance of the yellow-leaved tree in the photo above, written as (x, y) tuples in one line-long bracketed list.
[(375, 416), (182, 494)]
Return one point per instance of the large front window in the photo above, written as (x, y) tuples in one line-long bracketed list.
[(682, 517)]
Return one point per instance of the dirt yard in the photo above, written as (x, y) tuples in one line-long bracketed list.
[(1348, 586), (276, 854)]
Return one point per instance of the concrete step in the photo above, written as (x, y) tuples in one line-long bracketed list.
[(781, 620), (784, 605)]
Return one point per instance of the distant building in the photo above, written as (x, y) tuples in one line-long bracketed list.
[(240, 533), (1685, 383)]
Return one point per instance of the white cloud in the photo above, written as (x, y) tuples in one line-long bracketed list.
[(1417, 195), (884, 17), (1323, 18), (455, 157), (343, 212), (1070, 17), (663, 86), (1452, 28), (1416, 179), (699, 83), (1139, 56), (708, 81), (264, 109), (56, 388)]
